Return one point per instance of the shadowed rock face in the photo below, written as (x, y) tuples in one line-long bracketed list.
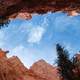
[(10, 9)]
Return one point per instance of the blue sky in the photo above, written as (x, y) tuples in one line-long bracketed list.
[(35, 39)]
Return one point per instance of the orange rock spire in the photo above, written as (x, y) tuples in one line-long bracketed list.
[(3, 53)]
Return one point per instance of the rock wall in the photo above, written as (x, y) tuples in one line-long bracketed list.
[(10, 9), (17, 65), (45, 70), (7, 72), (13, 69)]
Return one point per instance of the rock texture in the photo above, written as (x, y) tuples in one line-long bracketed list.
[(13, 69), (17, 65), (45, 70), (10, 9)]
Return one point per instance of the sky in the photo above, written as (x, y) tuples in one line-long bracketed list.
[(35, 39)]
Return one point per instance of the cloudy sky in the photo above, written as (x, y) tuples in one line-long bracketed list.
[(35, 39)]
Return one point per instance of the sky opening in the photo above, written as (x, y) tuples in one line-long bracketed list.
[(35, 39)]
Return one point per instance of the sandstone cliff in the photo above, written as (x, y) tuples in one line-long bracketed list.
[(45, 70), (12, 69)]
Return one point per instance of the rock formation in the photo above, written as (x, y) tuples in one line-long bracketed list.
[(45, 70), (13, 69), (10, 9), (77, 64)]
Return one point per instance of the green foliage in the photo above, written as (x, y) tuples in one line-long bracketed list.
[(66, 66), (3, 22)]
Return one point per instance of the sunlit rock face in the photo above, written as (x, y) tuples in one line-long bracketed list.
[(13, 69), (17, 64), (19, 8), (21, 15), (73, 13), (45, 70)]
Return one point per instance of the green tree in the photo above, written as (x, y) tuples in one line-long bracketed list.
[(64, 63), (3, 22)]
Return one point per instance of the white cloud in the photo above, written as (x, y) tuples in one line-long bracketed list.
[(23, 54), (29, 55), (36, 34), (25, 27), (45, 22)]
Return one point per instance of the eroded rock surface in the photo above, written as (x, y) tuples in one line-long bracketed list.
[(45, 70), (13, 69), (11, 9)]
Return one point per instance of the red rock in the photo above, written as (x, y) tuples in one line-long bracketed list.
[(13, 69), (10, 2), (45, 70), (12, 7)]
